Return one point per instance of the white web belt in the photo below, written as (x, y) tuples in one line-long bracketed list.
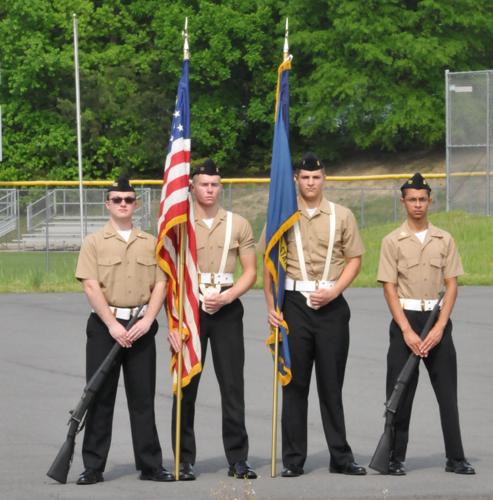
[(210, 283)]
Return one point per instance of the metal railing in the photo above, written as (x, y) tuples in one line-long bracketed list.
[(63, 204), (8, 211)]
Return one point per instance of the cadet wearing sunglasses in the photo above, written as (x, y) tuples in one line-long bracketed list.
[(117, 268)]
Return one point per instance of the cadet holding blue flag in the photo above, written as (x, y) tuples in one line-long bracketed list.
[(323, 256)]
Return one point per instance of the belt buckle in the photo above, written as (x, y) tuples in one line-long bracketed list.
[(423, 305), (317, 284)]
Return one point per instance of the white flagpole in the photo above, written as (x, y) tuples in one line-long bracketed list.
[(79, 139)]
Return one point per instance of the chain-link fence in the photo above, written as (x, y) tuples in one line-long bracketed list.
[(469, 136), (40, 219)]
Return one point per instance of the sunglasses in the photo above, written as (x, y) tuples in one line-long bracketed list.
[(127, 199)]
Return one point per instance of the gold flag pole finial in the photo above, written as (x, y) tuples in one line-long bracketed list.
[(186, 49), (286, 44)]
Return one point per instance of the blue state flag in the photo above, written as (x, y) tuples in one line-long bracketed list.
[(282, 213)]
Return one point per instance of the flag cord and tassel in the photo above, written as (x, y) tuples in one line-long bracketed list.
[(179, 354)]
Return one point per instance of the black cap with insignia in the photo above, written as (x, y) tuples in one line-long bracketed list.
[(417, 181), (207, 168), (310, 161), (122, 184)]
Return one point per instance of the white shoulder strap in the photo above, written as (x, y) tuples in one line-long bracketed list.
[(299, 249), (332, 237), (227, 241)]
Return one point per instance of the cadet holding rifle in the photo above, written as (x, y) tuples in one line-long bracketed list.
[(416, 261), (118, 271)]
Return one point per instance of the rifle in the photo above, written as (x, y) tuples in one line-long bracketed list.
[(381, 457), (61, 465)]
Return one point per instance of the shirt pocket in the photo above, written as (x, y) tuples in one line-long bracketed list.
[(409, 270), (436, 267), (107, 267), (146, 270)]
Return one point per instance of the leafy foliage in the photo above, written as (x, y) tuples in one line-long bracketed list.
[(366, 76)]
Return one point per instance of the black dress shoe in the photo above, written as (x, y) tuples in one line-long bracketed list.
[(160, 474), (292, 471), (90, 476), (396, 468), (186, 472), (351, 469), (242, 470), (459, 466)]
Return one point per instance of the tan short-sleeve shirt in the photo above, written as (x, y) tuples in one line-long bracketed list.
[(126, 272), (210, 242), (418, 269), (315, 240)]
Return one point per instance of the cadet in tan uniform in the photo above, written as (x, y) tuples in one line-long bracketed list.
[(416, 261), (323, 257), (117, 268), (222, 239)]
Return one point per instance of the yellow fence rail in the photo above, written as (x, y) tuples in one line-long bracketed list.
[(250, 180)]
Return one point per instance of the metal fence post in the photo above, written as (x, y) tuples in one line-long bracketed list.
[(47, 238), (394, 190), (447, 143), (488, 146), (362, 208), (18, 209)]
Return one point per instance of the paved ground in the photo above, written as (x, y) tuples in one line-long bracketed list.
[(42, 366)]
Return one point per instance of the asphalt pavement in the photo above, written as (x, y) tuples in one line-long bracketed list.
[(42, 360)]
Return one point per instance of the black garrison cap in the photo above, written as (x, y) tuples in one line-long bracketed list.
[(122, 184), (207, 168), (417, 181), (310, 161)]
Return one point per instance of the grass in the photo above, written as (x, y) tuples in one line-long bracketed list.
[(39, 272)]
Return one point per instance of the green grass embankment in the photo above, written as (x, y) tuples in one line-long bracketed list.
[(26, 271)]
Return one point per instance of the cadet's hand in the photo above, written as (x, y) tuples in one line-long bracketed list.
[(323, 296), (174, 340), (431, 340), (275, 318), (119, 333), (140, 328), (216, 300), (413, 341)]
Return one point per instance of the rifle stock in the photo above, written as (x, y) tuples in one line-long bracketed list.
[(61, 465), (381, 457)]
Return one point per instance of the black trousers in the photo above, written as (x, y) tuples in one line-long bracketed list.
[(441, 364), (224, 329), (139, 371), (321, 337)]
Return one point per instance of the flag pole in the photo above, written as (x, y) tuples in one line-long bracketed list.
[(181, 285), (179, 368), (78, 121), (275, 389)]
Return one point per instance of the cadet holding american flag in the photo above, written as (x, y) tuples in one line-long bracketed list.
[(222, 239)]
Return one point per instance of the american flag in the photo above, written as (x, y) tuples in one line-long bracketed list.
[(176, 208)]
